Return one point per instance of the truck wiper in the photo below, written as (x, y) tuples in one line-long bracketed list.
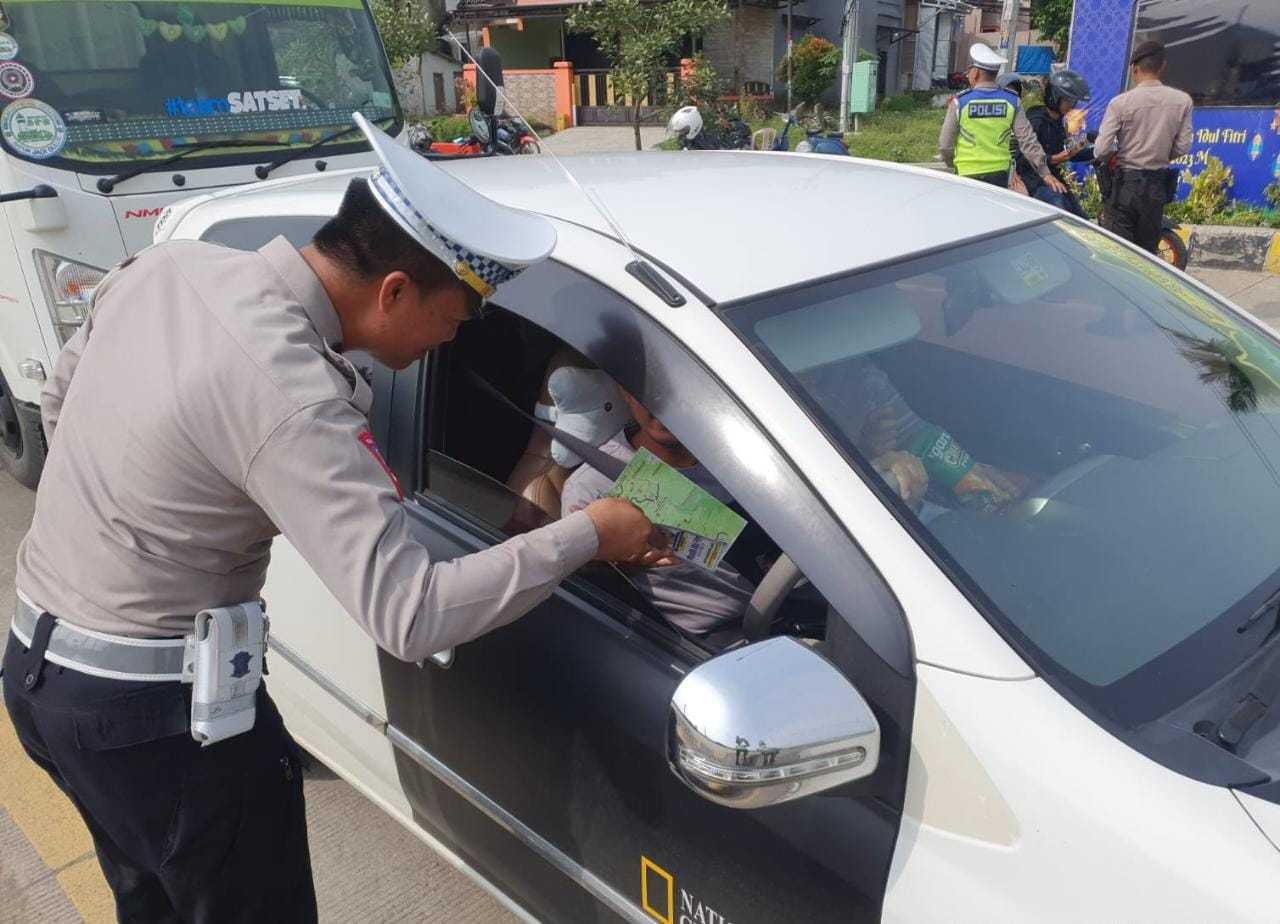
[(262, 171), (1254, 705), (107, 183)]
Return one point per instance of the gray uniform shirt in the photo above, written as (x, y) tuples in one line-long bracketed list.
[(689, 597), (1147, 127), (203, 410), (1025, 135)]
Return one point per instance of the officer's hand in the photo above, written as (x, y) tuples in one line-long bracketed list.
[(626, 535), (1054, 183)]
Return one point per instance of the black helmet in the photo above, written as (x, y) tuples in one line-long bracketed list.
[(1066, 84), (1010, 80)]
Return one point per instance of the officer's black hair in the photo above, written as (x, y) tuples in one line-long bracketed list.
[(1152, 61), (366, 242)]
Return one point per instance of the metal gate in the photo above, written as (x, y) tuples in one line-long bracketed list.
[(598, 103)]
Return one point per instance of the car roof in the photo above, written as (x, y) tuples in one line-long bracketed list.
[(732, 223), (736, 224)]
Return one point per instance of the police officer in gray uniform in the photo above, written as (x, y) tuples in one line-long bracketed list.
[(1143, 131), (205, 407)]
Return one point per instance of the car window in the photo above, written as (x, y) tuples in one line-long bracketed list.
[(488, 461), (1085, 439)]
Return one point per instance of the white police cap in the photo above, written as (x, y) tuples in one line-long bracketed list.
[(986, 58), (484, 243)]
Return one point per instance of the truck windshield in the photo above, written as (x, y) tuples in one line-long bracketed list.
[(99, 85), (1088, 443)]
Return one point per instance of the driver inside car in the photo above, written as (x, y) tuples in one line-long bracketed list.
[(915, 457), (691, 598)]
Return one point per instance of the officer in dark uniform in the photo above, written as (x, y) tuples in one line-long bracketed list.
[(205, 407)]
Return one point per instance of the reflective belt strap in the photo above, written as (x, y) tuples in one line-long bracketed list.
[(114, 657)]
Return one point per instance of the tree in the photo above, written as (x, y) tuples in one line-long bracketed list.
[(408, 29), (1052, 19), (815, 62), (639, 37)]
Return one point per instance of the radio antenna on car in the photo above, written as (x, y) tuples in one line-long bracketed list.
[(640, 268)]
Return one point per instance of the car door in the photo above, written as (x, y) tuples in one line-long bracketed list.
[(540, 753)]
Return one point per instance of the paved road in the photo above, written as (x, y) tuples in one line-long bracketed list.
[(598, 139), (367, 867)]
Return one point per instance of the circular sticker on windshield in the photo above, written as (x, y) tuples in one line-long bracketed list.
[(16, 81), (33, 129), (8, 47)]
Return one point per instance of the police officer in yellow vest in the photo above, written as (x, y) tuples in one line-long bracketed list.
[(979, 122)]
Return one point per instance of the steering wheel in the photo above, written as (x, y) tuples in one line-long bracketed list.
[(781, 578), (1051, 487)]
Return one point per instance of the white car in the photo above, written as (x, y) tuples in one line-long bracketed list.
[(1036, 691)]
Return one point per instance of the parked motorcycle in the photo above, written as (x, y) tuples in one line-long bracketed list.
[(491, 133), (1171, 248), (694, 134), (817, 141)]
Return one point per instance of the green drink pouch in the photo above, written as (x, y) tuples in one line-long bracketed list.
[(945, 461)]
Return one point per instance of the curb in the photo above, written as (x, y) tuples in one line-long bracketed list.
[(1254, 250)]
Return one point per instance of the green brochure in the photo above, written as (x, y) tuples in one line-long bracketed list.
[(701, 528)]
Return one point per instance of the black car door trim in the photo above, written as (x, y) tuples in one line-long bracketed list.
[(597, 887)]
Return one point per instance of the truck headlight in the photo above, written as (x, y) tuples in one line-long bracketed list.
[(68, 290)]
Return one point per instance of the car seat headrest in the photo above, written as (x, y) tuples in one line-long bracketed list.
[(583, 402)]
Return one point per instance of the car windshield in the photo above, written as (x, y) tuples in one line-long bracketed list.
[(1088, 443), (94, 85)]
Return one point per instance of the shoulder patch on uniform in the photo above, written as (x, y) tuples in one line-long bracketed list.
[(366, 439)]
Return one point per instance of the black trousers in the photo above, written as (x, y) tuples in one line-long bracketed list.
[(1136, 209), (183, 833)]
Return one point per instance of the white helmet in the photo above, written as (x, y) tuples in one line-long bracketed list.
[(686, 122)]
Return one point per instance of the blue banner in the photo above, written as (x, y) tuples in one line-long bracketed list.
[(1246, 140)]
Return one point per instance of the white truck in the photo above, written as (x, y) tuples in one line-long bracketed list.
[(111, 110)]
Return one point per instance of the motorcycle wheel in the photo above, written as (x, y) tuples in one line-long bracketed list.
[(1171, 249), (529, 146)]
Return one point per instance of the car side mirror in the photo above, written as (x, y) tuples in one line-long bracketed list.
[(768, 723), (489, 63)]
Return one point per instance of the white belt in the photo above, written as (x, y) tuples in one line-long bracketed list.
[(115, 657)]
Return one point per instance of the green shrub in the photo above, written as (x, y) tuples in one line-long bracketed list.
[(1272, 194), (751, 111), (1087, 193), (814, 65), (1234, 214), (446, 128), (700, 85), (1210, 191), (1091, 200)]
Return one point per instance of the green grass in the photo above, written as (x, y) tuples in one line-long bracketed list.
[(904, 137), (896, 133)]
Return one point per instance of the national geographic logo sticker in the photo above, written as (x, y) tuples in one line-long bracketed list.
[(667, 903)]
